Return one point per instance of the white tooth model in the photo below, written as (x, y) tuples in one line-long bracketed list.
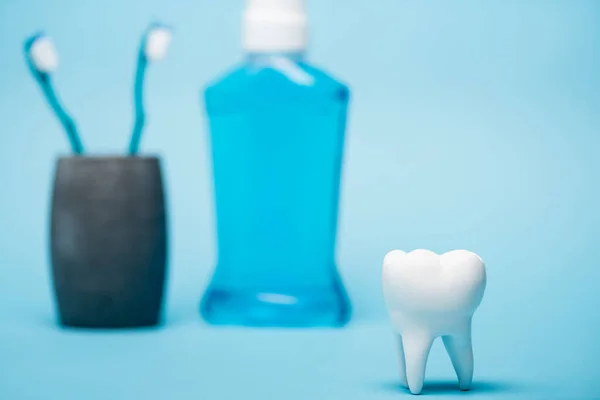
[(428, 296)]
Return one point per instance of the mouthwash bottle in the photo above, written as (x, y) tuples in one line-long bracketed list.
[(276, 134)]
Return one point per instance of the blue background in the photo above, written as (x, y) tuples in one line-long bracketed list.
[(474, 124)]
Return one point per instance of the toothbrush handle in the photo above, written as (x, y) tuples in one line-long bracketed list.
[(74, 139), (137, 133), (66, 121), (138, 100)]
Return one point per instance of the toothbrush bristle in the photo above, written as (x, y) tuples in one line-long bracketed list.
[(157, 43), (43, 54)]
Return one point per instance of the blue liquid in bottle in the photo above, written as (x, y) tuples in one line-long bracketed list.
[(276, 133)]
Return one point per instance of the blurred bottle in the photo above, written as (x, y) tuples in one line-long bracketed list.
[(277, 127)]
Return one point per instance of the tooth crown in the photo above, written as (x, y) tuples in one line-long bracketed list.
[(422, 281), (428, 296)]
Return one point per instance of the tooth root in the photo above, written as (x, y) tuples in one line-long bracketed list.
[(401, 362), (460, 351), (416, 350)]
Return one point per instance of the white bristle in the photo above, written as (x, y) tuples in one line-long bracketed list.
[(43, 54), (157, 43)]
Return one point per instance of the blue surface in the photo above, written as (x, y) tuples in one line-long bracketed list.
[(473, 125), (277, 129), (189, 361)]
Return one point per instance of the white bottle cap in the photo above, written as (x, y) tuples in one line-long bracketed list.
[(275, 26)]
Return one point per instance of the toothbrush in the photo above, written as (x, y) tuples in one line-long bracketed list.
[(42, 59), (153, 48)]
